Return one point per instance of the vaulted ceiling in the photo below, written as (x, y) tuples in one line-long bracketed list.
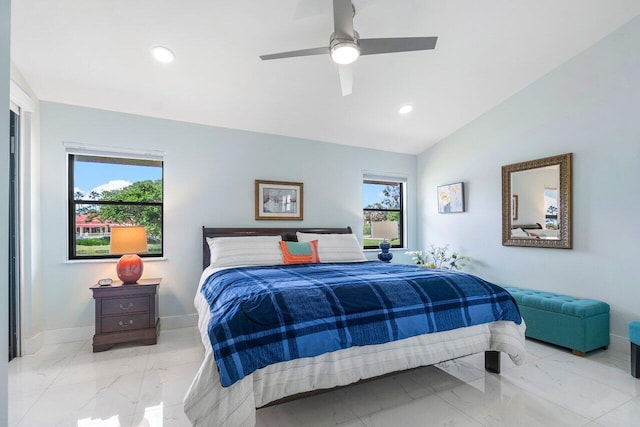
[(96, 54)]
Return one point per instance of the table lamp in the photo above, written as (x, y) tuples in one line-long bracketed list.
[(128, 241)]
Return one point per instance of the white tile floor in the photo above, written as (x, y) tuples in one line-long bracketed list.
[(140, 386)]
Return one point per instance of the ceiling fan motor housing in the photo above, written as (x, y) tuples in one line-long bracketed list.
[(344, 49)]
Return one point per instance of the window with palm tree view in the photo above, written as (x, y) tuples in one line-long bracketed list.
[(383, 211), (110, 191)]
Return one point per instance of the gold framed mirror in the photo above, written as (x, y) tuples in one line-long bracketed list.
[(536, 203)]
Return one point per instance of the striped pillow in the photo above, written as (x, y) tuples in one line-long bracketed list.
[(335, 247), (245, 250), (300, 252)]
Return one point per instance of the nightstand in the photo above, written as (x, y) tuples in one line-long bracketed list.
[(126, 313)]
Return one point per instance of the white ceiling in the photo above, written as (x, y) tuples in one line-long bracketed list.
[(96, 54)]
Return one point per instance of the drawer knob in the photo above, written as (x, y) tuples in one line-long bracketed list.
[(125, 324), (122, 306)]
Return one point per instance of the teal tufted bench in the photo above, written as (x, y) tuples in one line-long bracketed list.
[(579, 324), (634, 337)]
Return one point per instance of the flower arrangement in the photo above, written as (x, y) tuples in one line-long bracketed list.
[(439, 257)]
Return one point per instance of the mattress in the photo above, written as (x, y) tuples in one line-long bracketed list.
[(207, 403)]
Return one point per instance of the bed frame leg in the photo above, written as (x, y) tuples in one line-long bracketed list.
[(492, 361)]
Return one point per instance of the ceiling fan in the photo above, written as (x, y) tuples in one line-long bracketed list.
[(345, 45)]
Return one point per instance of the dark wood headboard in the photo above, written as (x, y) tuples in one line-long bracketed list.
[(536, 226), (288, 234)]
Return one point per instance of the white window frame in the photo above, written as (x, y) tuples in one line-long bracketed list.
[(117, 152)]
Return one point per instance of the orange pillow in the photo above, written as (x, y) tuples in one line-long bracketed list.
[(300, 252)]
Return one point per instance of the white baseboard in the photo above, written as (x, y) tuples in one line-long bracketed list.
[(83, 333), (618, 343), (31, 345), (177, 322), (59, 336), (55, 336)]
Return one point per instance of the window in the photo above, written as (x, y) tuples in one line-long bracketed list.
[(551, 208), (383, 212), (106, 191)]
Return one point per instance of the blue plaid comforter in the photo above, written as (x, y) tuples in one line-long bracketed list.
[(270, 314)]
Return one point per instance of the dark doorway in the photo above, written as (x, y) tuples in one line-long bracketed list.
[(14, 236)]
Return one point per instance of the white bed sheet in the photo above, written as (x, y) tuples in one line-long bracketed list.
[(209, 404)]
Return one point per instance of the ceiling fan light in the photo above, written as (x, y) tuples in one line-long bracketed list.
[(345, 53)]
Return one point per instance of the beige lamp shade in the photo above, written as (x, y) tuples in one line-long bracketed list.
[(128, 240)]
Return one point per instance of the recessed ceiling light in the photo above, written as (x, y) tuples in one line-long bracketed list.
[(405, 109), (163, 54)]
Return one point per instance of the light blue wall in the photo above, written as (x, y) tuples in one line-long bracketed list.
[(4, 197), (209, 180), (589, 106)]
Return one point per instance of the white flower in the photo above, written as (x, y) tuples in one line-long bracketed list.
[(439, 257)]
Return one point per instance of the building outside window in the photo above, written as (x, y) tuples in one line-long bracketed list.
[(105, 191), (383, 212)]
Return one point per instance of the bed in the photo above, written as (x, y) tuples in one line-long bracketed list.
[(218, 398)]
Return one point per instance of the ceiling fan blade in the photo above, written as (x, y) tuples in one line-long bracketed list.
[(294, 53), (343, 19), (346, 78), (398, 44)]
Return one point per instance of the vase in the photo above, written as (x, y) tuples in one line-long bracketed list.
[(384, 254)]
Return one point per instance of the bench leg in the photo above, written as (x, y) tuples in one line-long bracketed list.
[(578, 353), (635, 360), (492, 361)]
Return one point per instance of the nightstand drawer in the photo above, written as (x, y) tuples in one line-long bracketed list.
[(125, 323), (125, 305)]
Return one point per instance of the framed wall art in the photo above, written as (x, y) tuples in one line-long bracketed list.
[(279, 200), (451, 198)]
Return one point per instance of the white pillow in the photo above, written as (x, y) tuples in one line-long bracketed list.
[(245, 250), (518, 232), (335, 247)]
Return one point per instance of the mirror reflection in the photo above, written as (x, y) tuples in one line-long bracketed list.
[(534, 195), (536, 203)]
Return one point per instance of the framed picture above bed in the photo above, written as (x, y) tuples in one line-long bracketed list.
[(279, 200)]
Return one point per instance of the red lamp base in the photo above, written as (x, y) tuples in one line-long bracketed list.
[(129, 268)]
